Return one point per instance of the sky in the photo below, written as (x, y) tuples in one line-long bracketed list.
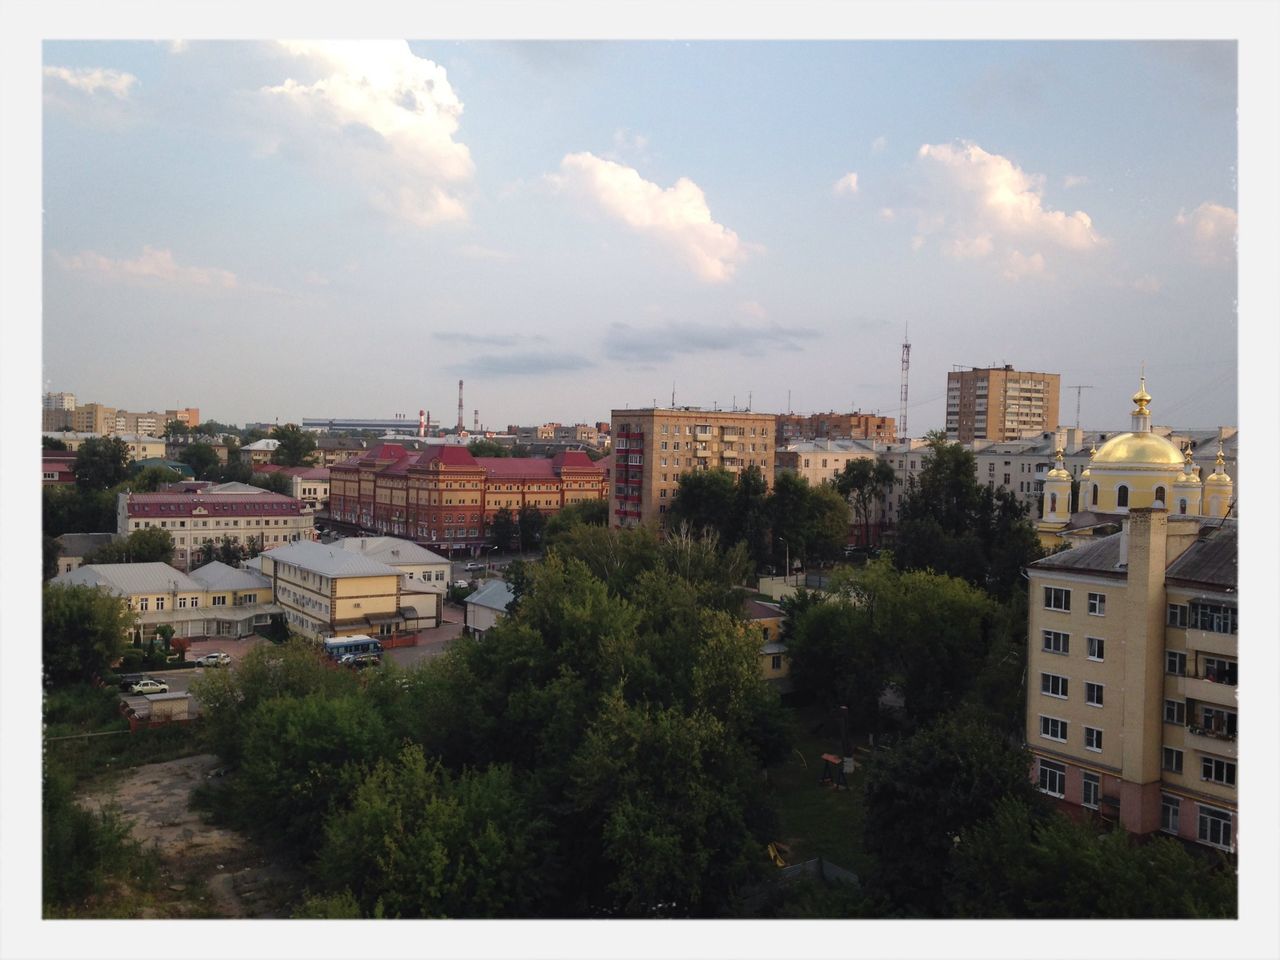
[(278, 230)]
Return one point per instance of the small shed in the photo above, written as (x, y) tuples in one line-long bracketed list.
[(164, 707)]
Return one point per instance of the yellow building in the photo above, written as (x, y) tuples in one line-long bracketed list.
[(1132, 667), (764, 620), (653, 446)]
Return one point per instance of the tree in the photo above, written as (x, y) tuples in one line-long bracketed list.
[(275, 482), (67, 508), (51, 443), (214, 428), (150, 479), (297, 446), (531, 522), (588, 512), (483, 447), (201, 458), (502, 529), (704, 501), (175, 428), (925, 793), (52, 550), (863, 483), (810, 522), (101, 462), (149, 545), (84, 632), (836, 656), (235, 472), (230, 553)]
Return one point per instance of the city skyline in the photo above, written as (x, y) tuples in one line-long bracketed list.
[(529, 218)]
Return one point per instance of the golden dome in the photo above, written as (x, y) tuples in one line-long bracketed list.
[(1058, 472), (1139, 449), (1141, 399), (1219, 476)]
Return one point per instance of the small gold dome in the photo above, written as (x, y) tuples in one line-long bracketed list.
[(1141, 399), (1058, 472), (1146, 449)]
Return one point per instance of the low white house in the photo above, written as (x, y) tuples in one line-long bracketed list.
[(421, 568), (487, 606)]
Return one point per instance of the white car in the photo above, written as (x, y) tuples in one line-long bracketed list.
[(215, 658), (474, 565), (149, 686)]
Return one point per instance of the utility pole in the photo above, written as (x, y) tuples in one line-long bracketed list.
[(1078, 387)]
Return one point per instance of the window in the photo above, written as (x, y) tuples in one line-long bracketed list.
[(1122, 496), (1093, 739), (1055, 642), (1053, 685), (1175, 663), (182, 603), (1213, 617), (159, 603), (1092, 787), (1056, 598), (1098, 604), (1219, 670), (1051, 728), (142, 603), (1159, 498), (220, 601), (1178, 615), (1216, 770), (1093, 694), (1053, 778), (1169, 813), (1096, 648), (776, 661), (1175, 711), (1171, 760), (1215, 827), (1218, 722), (1094, 496)]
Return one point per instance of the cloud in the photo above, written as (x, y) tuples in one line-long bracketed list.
[(477, 251), (678, 216), (888, 214), (384, 116), (93, 80), (753, 309), (980, 205), (847, 184), (878, 144), (152, 265), (625, 140), (526, 363), (1212, 230), (1147, 284), (1074, 180), (653, 342)]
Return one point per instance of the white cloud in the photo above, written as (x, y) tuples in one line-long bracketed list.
[(753, 309), (1147, 284), (1019, 265), (385, 116), (981, 204), (92, 80), (878, 144), (1212, 230), (678, 215), (888, 214), (1074, 180), (151, 265), (847, 184)]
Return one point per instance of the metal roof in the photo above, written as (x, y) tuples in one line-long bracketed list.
[(129, 579), (1099, 556), (329, 560), (390, 550), (83, 544), (493, 595), (1213, 559), (219, 576)]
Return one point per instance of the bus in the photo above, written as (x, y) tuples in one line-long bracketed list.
[(337, 647)]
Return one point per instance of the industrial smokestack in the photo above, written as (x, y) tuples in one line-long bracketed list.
[(476, 421), (461, 426)]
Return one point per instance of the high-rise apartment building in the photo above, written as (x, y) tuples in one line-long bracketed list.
[(835, 426), (1000, 403), (653, 446), (59, 401)]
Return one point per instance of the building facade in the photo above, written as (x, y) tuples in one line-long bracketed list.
[(1000, 403), (653, 446), (835, 426), (326, 591), (821, 461)]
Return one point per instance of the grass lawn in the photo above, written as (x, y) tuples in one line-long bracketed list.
[(816, 819)]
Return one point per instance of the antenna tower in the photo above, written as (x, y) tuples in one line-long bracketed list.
[(906, 365), (461, 425), (1077, 387)]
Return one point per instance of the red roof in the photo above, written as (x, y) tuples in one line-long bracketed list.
[(575, 460), (223, 504), (517, 468), (449, 454)]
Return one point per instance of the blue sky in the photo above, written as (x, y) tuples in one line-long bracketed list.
[(277, 231)]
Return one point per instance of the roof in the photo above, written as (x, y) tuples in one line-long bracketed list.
[(493, 595), (1138, 448), (235, 486), (220, 576), (330, 560), (131, 578), (266, 444), (390, 550), (1099, 556), (139, 438), (759, 610), (517, 468), (173, 505), (1211, 560), (83, 544), (771, 648)]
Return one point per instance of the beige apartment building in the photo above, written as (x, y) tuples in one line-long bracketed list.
[(819, 461), (1000, 403), (1132, 669), (653, 446)]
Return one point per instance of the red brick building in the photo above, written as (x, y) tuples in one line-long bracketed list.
[(445, 498), (834, 426)]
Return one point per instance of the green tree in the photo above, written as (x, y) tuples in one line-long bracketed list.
[(52, 443), (150, 479), (924, 793), (175, 428), (484, 447), (84, 631), (589, 512), (201, 458), (703, 501), (863, 482), (502, 529), (101, 462), (82, 849), (214, 428), (274, 481), (297, 446), (808, 522), (52, 550), (149, 545), (531, 522), (230, 553), (751, 525), (235, 471), (68, 509), (836, 656)]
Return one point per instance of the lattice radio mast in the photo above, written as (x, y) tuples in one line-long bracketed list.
[(906, 366), (1077, 387)]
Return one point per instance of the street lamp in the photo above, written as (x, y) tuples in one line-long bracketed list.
[(489, 557), (786, 573)]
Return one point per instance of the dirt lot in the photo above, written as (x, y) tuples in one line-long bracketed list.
[(210, 871)]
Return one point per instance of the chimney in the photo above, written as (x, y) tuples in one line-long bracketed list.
[(461, 425)]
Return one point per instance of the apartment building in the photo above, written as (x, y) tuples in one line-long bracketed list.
[(58, 401), (653, 446), (1132, 670), (1000, 403), (835, 426), (194, 519), (819, 461)]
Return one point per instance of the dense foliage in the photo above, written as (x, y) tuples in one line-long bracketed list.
[(84, 631), (296, 446), (148, 545), (101, 462)]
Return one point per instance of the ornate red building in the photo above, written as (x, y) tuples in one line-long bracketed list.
[(443, 497)]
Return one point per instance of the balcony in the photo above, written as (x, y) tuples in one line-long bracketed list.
[(1204, 690), (1207, 641), (704, 435), (702, 453), (1201, 738)]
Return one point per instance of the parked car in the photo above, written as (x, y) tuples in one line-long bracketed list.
[(359, 660), (148, 685), (474, 565), (127, 680), (460, 584), (215, 658)]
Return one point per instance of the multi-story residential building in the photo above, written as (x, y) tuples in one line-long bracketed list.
[(835, 426), (1132, 669), (416, 564), (337, 449), (194, 519), (91, 418), (445, 498), (907, 460), (819, 461), (653, 446), (259, 451), (327, 591), (59, 401), (1000, 403)]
